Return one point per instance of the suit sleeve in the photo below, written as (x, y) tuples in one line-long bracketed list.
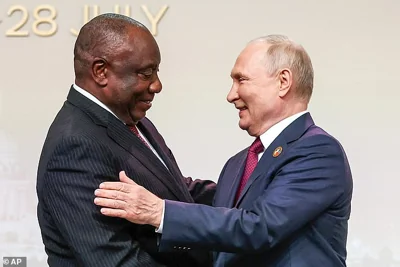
[(314, 179), (202, 191), (74, 172)]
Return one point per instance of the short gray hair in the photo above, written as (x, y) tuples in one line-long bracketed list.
[(284, 53)]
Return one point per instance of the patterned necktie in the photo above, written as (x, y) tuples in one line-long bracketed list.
[(136, 132), (251, 163)]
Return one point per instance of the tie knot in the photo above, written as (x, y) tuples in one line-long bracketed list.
[(257, 146)]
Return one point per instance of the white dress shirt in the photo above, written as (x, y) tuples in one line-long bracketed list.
[(269, 136), (266, 139), (98, 102)]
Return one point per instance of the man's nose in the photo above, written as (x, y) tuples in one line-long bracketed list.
[(155, 86), (233, 94)]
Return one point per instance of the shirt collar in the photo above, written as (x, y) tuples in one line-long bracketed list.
[(269, 136), (93, 98)]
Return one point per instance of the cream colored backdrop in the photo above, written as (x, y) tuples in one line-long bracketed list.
[(354, 46)]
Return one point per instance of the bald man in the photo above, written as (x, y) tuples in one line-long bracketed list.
[(100, 130)]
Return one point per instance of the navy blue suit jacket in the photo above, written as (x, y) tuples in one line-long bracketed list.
[(293, 211)]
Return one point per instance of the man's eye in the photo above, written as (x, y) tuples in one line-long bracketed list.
[(146, 74)]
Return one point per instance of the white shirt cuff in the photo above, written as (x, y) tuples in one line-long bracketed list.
[(160, 228)]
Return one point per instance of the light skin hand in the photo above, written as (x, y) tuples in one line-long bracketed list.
[(130, 201)]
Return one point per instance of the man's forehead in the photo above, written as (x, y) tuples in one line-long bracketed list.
[(250, 58), (141, 44), (254, 51)]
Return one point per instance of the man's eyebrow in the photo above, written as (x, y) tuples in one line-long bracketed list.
[(237, 74), (151, 66)]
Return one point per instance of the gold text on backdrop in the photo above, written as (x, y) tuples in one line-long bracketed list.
[(44, 19)]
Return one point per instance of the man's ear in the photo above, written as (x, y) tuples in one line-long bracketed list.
[(99, 71), (285, 77)]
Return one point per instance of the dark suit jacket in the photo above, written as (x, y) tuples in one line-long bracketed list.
[(293, 212), (87, 145)]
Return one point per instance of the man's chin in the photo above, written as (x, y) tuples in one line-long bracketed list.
[(243, 126), (138, 116), (248, 129)]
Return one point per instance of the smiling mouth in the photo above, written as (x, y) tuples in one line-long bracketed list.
[(145, 101)]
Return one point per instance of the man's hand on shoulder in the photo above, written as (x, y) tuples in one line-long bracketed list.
[(130, 201)]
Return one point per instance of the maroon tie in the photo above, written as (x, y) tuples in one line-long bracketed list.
[(136, 132), (251, 163)]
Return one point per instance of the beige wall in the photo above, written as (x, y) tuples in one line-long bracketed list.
[(354, 46)]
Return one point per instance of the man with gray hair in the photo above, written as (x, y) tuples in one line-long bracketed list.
[(284, 201)]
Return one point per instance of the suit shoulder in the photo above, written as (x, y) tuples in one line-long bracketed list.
[(319, 145), (71, 127), (316, 136), (316, 142), (72, 121)]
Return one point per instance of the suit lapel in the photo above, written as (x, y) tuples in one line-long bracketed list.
[(237, 174), (121, 134), (172, 167), (265, 164), (268, 161)]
